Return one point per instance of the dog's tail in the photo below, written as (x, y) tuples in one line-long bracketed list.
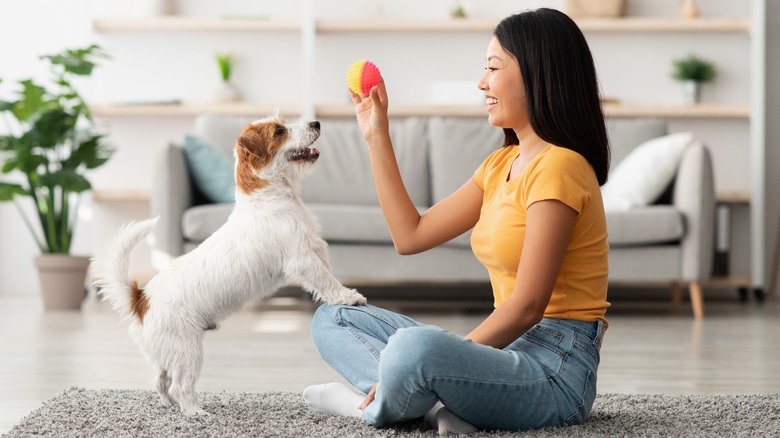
[(110, 272)]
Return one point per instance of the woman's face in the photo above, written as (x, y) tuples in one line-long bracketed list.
[(504, 89)]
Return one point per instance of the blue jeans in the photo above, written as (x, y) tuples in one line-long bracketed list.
[(547, 377)]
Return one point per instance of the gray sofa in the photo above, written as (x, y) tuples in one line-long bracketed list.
[(668, 242)]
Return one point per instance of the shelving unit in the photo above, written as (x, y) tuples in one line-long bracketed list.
[(178, 23)]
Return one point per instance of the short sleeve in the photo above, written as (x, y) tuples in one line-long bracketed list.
[(563, 175), (487, 169)]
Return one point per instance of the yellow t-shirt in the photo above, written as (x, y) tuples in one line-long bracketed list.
[(558, 173)]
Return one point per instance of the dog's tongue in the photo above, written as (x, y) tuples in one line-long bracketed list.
[(315, 152)]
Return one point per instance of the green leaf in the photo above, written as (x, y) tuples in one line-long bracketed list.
[(6, 106), (8, 191), (24, 158), (32, 99), (52, 128), (77, 61), (68, 179), (90, 152)]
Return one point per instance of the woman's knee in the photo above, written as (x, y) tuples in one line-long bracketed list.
[(411, 347), (325, 315)]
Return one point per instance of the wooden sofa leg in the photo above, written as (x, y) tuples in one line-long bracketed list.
[(697, 299)]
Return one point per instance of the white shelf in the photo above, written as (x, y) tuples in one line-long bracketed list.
[(120, 195), (374, 25), (192, 109), (663, 25), (628, 24), (701, 111), (180, 23)]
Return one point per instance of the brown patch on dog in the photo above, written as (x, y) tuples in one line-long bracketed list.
[(139, 305), (255, 148)]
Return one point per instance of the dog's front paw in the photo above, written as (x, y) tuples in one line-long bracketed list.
[(347, 296)]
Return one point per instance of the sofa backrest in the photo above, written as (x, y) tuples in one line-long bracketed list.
[(627, 134), (458, 147), (343, 173), (221, 131)]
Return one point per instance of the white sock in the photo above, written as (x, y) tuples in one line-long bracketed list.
[(334, 399), (443, 420)]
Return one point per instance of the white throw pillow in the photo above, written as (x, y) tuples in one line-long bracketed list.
[(645, 173)]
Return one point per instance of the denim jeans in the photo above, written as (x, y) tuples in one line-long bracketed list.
[(546, 377)]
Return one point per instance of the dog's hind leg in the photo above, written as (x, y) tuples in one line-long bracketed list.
[(163, 385), (184, 372)]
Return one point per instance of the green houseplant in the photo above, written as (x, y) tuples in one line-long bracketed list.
[(226, 91), (48, 144), (693, 71)]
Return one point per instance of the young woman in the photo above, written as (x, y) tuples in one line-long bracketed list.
[(539, 229)]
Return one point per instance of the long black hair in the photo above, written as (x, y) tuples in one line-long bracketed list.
[(561, 88)]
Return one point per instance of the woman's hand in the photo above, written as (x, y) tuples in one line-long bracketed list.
[(371, 112), (369, 397)]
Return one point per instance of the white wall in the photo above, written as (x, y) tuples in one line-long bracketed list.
[(180, 65)]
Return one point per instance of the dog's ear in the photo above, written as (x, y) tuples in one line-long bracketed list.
[(254, 143)]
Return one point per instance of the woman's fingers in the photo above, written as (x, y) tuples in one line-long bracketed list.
[(369, 397), (356, 99)]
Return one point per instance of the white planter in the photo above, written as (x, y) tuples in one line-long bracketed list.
[(692, 92), (226, 92)]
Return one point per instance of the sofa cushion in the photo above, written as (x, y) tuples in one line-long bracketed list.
[(645, 225), (645, 173), (351, 223), (458, 146), (343, 172), (198, 223), (211, 169)]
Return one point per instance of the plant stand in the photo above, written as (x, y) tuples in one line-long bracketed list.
[(62, 278)]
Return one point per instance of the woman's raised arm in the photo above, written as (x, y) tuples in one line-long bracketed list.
[(411, 232)]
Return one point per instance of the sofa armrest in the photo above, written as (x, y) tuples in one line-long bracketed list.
[(172, 194), (694, 195)]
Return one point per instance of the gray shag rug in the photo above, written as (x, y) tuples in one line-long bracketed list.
[(78, 412)]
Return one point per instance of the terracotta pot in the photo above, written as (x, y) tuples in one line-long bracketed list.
[(62, 279)]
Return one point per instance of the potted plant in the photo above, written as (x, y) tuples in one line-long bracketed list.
[(226, 91), (49, 144), (693, 71)]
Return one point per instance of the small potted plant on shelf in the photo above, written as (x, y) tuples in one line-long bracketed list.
[(458, 11), (226, 91), (693, 72), (49, 144)]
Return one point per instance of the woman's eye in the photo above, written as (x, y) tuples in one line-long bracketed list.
[(491, 69)]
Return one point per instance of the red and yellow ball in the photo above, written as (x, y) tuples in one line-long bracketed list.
[(362, 76)]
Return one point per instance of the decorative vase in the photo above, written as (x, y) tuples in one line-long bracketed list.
[(692, 91), (62, 278), (689, 10), (226, 92)]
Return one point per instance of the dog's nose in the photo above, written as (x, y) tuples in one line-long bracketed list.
[(315, 124)]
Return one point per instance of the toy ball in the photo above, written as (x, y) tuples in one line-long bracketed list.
[(362, 76)]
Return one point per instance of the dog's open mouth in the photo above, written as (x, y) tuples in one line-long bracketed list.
[(303, 154)]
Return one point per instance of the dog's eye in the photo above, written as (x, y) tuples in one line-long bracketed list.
[(280, 130)]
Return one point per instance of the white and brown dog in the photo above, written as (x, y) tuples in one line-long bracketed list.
[(269, 239)]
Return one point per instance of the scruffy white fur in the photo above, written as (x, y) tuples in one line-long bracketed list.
[(270, 239)]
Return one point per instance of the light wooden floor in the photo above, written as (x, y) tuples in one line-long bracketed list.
[(648, 349)]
